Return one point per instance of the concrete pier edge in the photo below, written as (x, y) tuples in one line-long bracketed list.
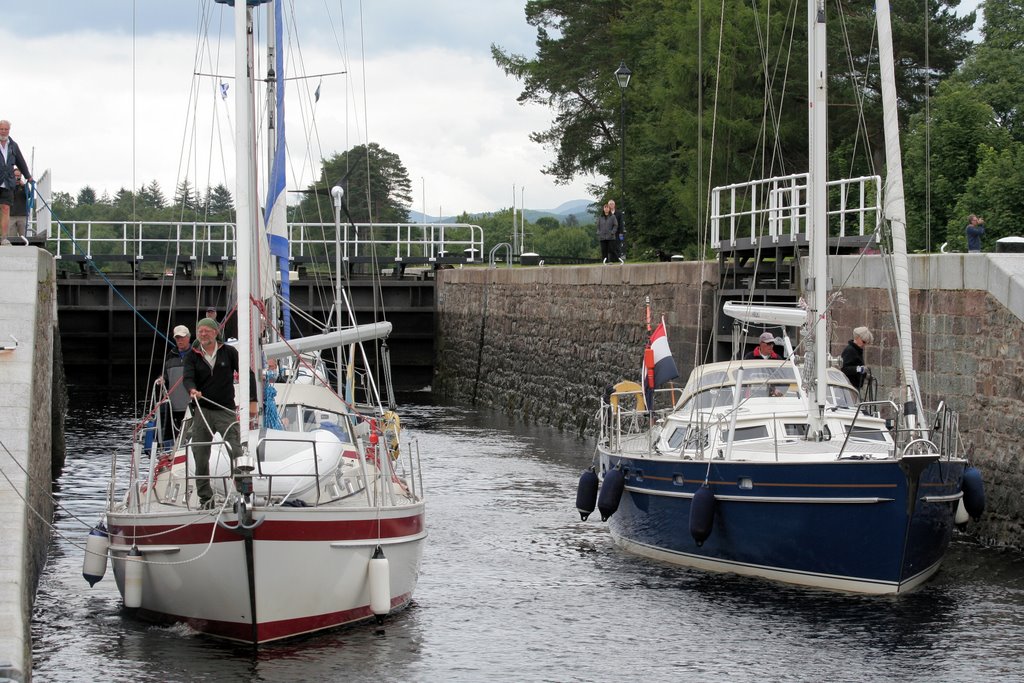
[(28, 312)]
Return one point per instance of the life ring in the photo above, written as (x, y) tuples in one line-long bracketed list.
[(628, 388), (392, 429)]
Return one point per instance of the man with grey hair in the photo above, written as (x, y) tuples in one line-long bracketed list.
[(853, 356), (10, 158)]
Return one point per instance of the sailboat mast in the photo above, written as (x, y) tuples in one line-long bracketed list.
[(276, 217), (243, 202), (817, 211), (894, 209)]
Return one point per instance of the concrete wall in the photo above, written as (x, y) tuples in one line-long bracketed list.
[(28, 311), (542, 343)]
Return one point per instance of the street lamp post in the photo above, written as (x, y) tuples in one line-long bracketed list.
[(622, 75)]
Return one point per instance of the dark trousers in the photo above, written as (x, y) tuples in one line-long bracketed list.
[(221, 422), (609, 250)]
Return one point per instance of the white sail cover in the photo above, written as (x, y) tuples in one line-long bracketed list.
[(316, 342)]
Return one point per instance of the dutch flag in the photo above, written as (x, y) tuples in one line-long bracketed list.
[(658, 367)]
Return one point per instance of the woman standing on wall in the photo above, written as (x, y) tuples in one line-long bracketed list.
[(607, 226)]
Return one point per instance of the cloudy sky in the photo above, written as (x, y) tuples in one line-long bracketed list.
[(102, 93)]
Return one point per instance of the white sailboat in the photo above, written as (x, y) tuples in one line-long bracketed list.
[(320, 522), (776, 468)]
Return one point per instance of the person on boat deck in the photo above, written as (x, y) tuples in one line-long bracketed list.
[(209, 377), (10, 157), (211, 313), (853, 356), (173, 411), (607, 234), (765, 349), (975, 229)]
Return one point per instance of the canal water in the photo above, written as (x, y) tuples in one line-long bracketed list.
[(514, 587)]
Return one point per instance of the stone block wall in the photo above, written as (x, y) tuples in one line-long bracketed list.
[(543, 343)]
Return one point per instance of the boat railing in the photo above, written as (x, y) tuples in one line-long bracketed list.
[(617, 420), (862, 408), (205, 241), (776, 208)]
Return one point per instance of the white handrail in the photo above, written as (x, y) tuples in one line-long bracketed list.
[(391, 241)]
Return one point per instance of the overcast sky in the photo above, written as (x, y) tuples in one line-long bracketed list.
[(104, 104), (102, 93)]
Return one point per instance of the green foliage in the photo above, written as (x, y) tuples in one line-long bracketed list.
[(219, 204), (695, 110), (995, 72), (994, 192), (960, 125), (86, 196), (376, 186)]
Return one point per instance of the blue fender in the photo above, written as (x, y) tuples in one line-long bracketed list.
[(586, 493), (974, 492), (611, 493), (702, 514)]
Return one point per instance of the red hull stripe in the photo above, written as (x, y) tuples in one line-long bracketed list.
[(273, 630), (271, 530)]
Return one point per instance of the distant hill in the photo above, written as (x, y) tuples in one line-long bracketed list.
[(578, 207)]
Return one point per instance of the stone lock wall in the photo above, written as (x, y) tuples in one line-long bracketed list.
[(542, 343)]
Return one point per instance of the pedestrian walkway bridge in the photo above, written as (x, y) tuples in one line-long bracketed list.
[(192, 248)]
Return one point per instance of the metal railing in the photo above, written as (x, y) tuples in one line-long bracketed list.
[(307, 241), (776, 207)]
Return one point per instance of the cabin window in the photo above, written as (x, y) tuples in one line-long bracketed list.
[(747, 433), (865, 433), (796, 430), (843, 397), (675, 439), (710, 399), (783, 372)]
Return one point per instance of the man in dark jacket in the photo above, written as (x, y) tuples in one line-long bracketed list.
[(173, 379), (853, 356), (209, 377), (10, 157)]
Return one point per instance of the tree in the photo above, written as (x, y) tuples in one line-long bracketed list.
[(63, 205), (220, 204), (151, 196), (950, 142), (699, 115), (86, 196), (376, 184), (994, 193), (995, 72), (185, 199), (124, 202)]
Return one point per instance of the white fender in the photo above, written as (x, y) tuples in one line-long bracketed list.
[(961, 514), (94, 565), (133, 578), (380, 583)]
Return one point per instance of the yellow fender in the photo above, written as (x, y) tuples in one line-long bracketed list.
[(392, 430), (628, 388)]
